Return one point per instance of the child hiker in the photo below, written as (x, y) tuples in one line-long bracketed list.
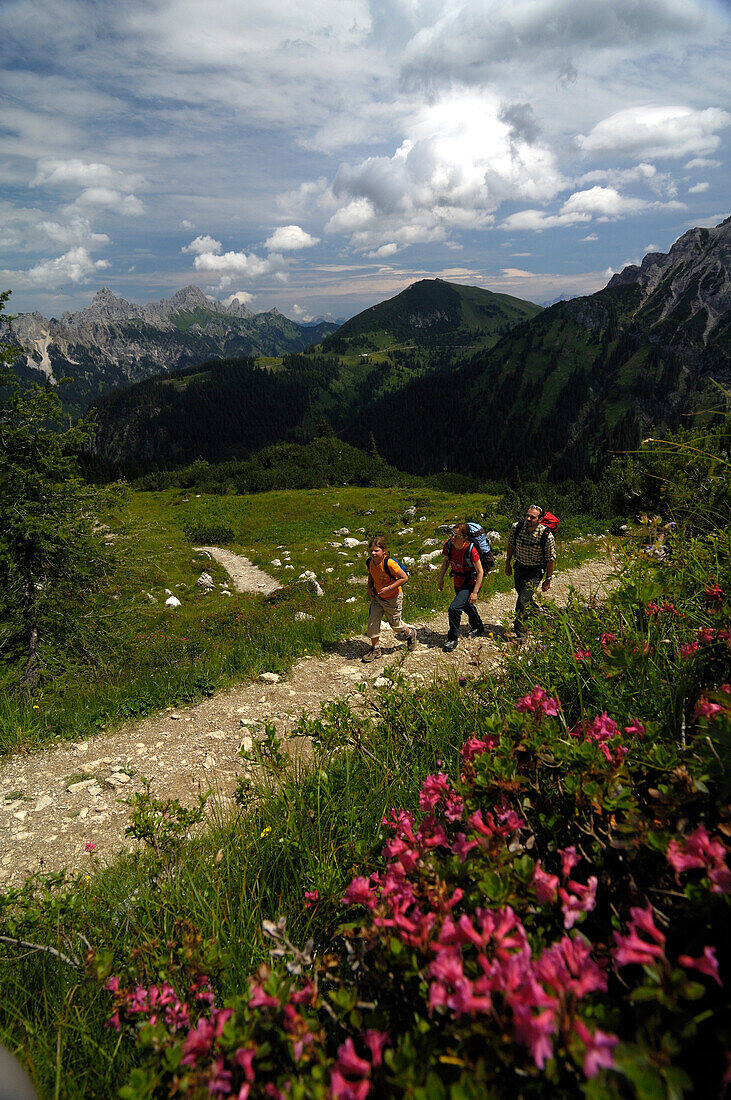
[(385, 581), (462, 556)]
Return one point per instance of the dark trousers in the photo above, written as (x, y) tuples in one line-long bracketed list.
[(526, 579), (460, 603)]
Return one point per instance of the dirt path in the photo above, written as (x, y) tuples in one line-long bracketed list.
[(246, 576), (56, 801)]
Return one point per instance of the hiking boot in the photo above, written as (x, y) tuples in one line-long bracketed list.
[(449, 645), (411, 640), (372, 655), (476, 632)]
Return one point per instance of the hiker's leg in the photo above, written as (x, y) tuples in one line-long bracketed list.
[(473, 615), (456, 608), (375, 615), (527, 580), (392, 610)]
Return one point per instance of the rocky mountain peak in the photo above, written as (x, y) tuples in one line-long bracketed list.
[(190, 297), (105, 307), (693, 277)]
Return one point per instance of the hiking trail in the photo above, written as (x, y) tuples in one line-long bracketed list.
[(56, 801)]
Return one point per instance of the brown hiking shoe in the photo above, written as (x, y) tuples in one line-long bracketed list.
[(372, 655), (411, 640)]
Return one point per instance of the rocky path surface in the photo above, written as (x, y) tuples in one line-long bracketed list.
[(56, 802), (246, 576)]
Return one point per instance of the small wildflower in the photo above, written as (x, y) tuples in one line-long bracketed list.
[(688, 650), (265, 832), (89, 846), (582, 654)]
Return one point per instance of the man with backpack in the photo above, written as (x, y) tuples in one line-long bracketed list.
[(386, 576), (462, 556), (532, 546)]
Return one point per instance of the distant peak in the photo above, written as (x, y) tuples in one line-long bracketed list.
[(189, 297)]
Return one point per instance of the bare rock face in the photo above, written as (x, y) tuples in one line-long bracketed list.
[(689, 286), (113, 342)]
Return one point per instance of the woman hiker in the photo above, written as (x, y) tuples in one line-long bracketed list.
[(386, 578), (464, 559)]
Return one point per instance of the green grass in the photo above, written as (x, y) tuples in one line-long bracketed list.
[(127, 656)]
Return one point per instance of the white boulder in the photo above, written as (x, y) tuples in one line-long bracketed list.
[(205, 581), (172, 601)]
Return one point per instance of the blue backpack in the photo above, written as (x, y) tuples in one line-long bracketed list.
[(479, 538)]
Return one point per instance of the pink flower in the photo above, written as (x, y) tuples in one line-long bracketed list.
[(539, 703), (582, 899), (706, 635), (376, 1042), (599, 1047), (699, 850), (434, 789), (359, 893), (545, 885), (706, 709), (345, 1090), (688, 650), (535, 1031), (311, 896), (707, 963), (631, 948), (606, 640), (349, 1062), (89, 846), (635, 729), (461, 846), (198, 1042), (569, 859), (714, 595), (582, 654), (472, 748)]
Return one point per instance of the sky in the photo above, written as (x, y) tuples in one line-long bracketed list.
[(323, 157)]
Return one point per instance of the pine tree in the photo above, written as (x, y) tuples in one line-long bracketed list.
[(46, 510)]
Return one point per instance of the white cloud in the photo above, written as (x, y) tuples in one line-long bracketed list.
[(473, 41), (52, 172), (590, 237), (603, 202), (242, 296), (75, 266), (702, 162), (289, 238), (300, 313), (76, 231), (231, 265), (517, 273), (698, 188), (185, 224), (656, 132), (203, 244), (384, 251), (457, 163), (107, 198)]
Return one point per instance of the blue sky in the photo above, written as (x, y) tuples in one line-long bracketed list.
[(320, 160)]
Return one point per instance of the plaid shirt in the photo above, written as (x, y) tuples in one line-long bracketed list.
[(527, 548)]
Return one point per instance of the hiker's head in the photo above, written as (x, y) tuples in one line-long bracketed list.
[(460, 534), (532, 516), (378, 548)]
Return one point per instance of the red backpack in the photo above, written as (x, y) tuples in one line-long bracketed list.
[(550, 523)]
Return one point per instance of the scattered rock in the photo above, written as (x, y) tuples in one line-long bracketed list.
[(342, 531), (275, 561), (269, 677), (350, 544), (205, 581), (353, 599), (406, 531), (172, 601), (303, 617), (381, 682)]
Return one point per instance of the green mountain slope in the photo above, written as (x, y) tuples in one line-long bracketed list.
[(432, 314)]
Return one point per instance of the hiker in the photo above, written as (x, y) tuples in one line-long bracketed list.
[(386, 578), (462, 556), (532, 545)]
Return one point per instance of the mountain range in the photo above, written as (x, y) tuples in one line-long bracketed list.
[(112, 342), (448, 377)]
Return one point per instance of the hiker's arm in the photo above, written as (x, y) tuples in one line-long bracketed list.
[(480, 576), (440, 582), (392, 589), (549, 573), (508, 559)]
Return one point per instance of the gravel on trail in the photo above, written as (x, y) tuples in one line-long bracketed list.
[(56, 802)]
